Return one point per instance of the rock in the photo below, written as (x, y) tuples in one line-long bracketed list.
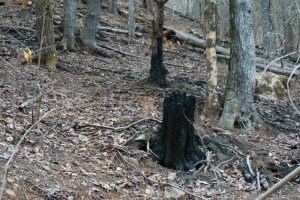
[(10, 193), (172, 193), (149, 191), (270, 85)]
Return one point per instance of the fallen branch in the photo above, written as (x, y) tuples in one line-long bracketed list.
[(276, 70), (230, 147), (7, 165), (122, 128), (115, 30), (156, 182), (191, 40), (249, 165), (280, 184), (136, 56), (278, 59)]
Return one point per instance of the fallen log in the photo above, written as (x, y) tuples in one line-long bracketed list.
[(170, 33), (274, 67), (125, 14)]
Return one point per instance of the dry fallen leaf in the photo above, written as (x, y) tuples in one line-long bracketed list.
[(47, 168), (10, 193), (10, 139), (27, 54)]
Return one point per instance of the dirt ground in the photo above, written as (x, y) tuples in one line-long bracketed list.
[(78, 148)]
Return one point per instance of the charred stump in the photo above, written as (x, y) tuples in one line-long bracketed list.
[(176, 146)]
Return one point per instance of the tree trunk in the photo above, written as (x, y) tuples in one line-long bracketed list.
[(212, 106), (150, 5), (113, 6), (131, 23), (288, 28), (88, 32), (157, 71), (69, 24), (176, 146), (44, 23), (265, 17), (241, 74), (223, 20)]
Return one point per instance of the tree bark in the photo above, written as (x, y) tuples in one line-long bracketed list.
[(150, 5), (176, 146), (88, 32), (131, 21), (241, 76), (157, 71), (44, 22), (192, 40), (289, 35), (212, 105), (113, 7), (68, 40), (223, 20)]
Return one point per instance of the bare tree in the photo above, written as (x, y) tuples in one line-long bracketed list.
[(69, 24), (157, 71), (88, 32), (44, 22), (212, 106), (241, 75)]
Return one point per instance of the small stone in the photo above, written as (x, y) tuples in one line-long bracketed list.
[(9, 139), (172, 193), (150, 192), (10, 193), (172, 176)]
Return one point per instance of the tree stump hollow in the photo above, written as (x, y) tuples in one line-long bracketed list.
[(176, 145)]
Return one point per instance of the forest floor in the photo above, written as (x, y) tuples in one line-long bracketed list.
[(78, 149)]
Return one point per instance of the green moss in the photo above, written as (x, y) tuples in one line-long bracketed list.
[(97, 79)]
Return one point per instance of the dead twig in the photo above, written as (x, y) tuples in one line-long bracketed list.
[(122, 128), (289, 54), (249, 165), (230, 147), (156, 182), (258, 180)]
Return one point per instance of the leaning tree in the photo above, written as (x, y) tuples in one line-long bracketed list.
[(45, 30), (241, 75)]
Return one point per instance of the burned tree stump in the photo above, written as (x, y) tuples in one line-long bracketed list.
[(176, 145)]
